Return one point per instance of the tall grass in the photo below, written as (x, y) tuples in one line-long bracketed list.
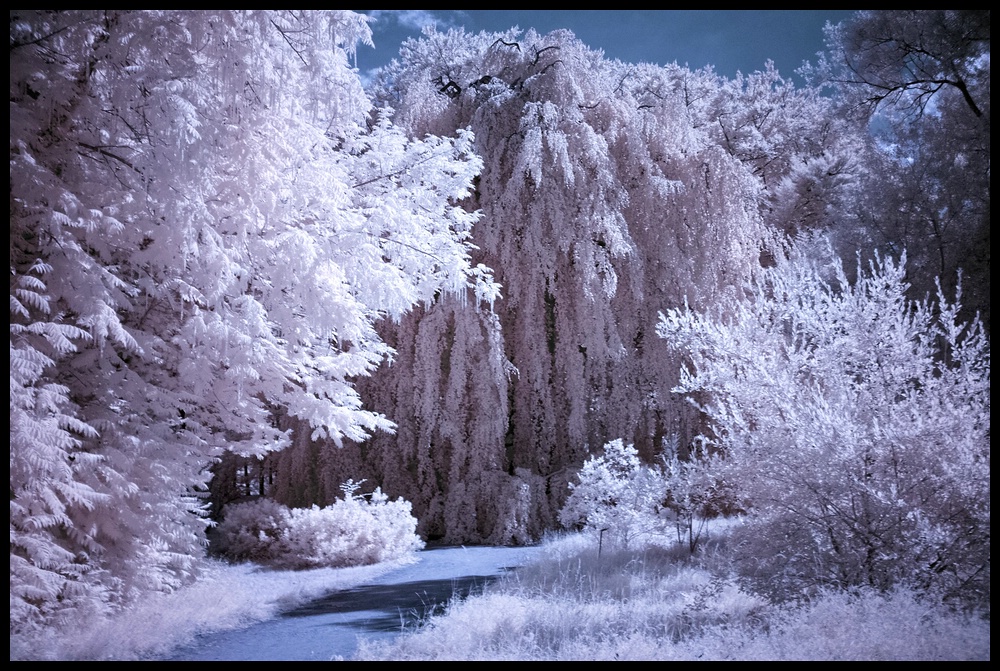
[(662, 604)]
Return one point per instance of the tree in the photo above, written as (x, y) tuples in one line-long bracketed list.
[(616, 493), (600, 199), (206, 222), (921, 79), (804, 154), (696, 489), (903, 58), (855, 422)]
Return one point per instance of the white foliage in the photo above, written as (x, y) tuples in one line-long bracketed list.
[(855, 421), (696, 490), (206, 224), (356, 530), (618, 494), (45, 565), (605, 193)]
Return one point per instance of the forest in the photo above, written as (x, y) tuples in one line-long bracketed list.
[(509, 286)]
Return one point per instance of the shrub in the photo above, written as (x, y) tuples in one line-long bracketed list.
[(616, 493), (253, 531), (356, 530), (855, 421), (696, 490)]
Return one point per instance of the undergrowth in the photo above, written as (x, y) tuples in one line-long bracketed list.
[(656, 603)]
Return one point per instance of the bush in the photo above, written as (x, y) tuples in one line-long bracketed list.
[(696, 490), (856, 423), (253, 531), (357, 530), (616, 493)]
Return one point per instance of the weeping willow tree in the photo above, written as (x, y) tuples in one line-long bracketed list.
[(600, 200), (607, 191)]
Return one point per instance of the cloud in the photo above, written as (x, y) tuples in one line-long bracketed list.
[(414, 19)]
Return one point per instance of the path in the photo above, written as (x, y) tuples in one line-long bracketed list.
[(329, 628)]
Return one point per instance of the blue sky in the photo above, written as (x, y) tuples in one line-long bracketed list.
[(731, 41)]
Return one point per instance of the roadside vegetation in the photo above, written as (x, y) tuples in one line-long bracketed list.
[(662, 603)]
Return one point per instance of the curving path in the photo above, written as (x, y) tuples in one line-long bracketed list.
[(329, 628)]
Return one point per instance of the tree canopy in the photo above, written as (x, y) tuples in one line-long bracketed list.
[(207, 219), (236, 273)]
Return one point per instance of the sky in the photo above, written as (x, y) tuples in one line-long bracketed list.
[(730, 41)]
